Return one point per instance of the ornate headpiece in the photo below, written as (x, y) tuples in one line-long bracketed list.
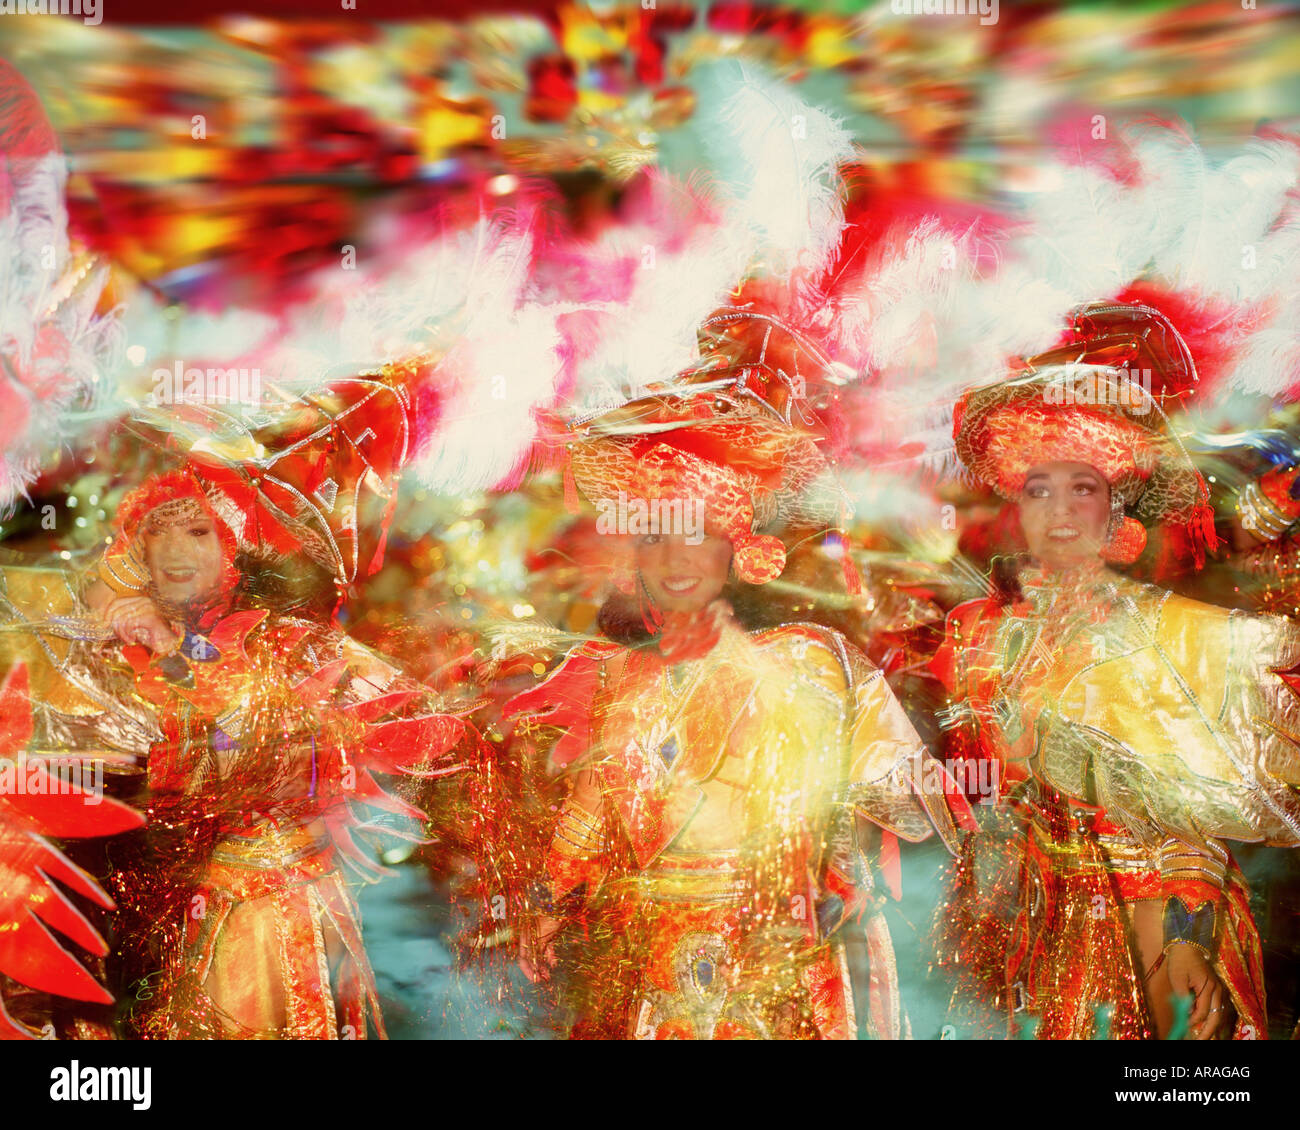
[(295, 482), (1098, 399), (734, 434), (172, 497)]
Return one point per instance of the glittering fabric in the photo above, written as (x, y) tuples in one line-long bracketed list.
[(236, 919), (1122, 718), (729, 790)]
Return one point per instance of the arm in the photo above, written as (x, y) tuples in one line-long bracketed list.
[(575, 858), (1191, 885), (132, 615), (1266, 507)]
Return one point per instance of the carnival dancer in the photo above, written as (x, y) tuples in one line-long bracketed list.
[(724, 786), (236, 920), (1135, 730)]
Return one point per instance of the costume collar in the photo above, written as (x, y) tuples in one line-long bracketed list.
[(1045, 589)]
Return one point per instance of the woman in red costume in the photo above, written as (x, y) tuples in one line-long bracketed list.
[(238, 921), (1135, 731), (725, 788)]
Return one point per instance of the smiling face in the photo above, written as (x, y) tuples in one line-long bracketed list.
[(1065, 513), (183, 551), (681, 577)]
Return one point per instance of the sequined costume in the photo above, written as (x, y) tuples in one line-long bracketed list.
[(726, 835), (1135, 731), (738, 775), (236, 918)]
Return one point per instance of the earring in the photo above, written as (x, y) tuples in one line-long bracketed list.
[(651, 617), (1128, 537)]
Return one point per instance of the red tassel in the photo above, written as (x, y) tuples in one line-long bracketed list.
[(377, 561), (1207, 527), (852, 578)]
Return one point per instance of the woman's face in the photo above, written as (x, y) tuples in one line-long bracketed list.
[(184, 557), (681, 577), (1065, 513)]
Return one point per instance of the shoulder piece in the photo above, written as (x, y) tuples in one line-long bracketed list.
[(812, 645)]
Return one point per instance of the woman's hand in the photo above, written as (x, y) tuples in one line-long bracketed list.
[(136, 619), (1190, 972), (537, 948)]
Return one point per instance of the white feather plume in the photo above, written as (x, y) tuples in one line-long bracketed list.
[(56, 349), (776, 157), (1223, 234)]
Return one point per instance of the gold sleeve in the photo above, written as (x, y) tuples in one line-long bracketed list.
[(124, 574), (881, 723), (1186, 727), (887, 774)]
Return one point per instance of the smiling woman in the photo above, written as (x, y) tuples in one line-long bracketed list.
[(727, 790), (1135, 731), (235, 919), (1065, 513), (679, 576), (183, 555)]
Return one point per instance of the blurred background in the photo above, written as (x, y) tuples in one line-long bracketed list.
[(223, 154)]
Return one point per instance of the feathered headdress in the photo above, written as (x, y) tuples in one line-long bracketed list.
[(1099, 399), (54, 349)]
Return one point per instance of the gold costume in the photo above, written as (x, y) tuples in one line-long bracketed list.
[(1135, 731), (726, 846)]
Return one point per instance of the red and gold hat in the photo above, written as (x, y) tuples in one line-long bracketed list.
[(1067, 413), (172, 497), (732, 433), (1100, 399)]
